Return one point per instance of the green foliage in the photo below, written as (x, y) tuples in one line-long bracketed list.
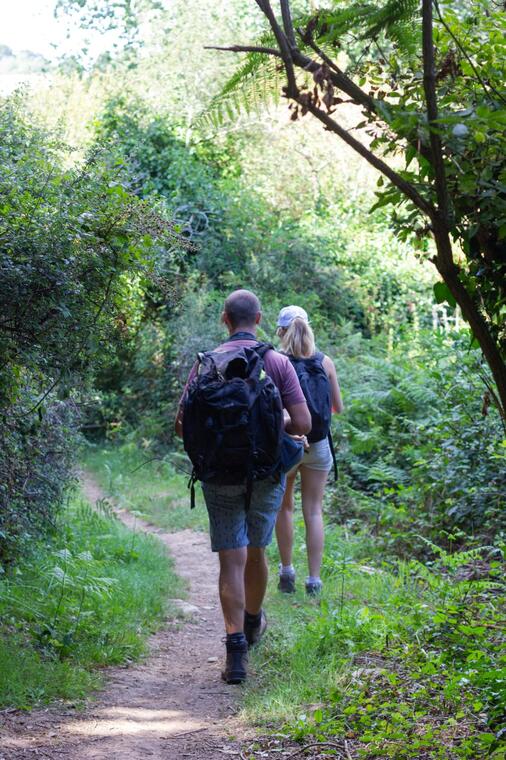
[(156, 488), (36, 459), (472, 114), (459, 173), (395, 21), (86, 598), (238, 240), (251, 87), (419, 443)]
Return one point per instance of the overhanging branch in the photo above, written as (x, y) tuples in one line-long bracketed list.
[(405, 187), (245, 49), (288, 23), (284, 47)]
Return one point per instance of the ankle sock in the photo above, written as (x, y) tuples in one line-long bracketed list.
[(313, 579), (252, 620), (287, 569), (236, 638)]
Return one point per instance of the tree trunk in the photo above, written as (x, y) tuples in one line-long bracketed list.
[(450, 274)]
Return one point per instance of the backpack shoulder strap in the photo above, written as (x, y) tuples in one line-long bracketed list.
[(333, 454), (262, 348)]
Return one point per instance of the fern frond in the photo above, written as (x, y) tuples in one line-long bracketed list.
[(257, 79), (254, 84), (394, 20)]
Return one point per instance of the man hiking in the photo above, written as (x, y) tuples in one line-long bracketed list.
[(242, 514)]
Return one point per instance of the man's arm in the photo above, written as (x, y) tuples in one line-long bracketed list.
[(300, 419)]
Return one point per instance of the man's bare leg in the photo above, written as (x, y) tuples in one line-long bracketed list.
[(255, 579), (231, 587)]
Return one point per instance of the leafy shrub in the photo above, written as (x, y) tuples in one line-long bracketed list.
[(405, 661), (35, 469), (78, 253)]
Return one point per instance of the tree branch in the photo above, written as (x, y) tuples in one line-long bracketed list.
[(405, 187), (341, 80), (245, 49), (286, 54), (288, 23)]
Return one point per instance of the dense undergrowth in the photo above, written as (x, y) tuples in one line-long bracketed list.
[(86, 597), (403, 660), (104, 308), (421, 451)]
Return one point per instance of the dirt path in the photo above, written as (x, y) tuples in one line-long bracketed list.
[(171, 705)]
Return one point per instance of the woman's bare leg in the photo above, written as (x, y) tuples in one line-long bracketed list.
[(312, 490), (284, 522)]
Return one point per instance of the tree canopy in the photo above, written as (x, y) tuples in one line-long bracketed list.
[(431, 96)]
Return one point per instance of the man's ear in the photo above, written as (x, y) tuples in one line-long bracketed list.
[(258, 318)]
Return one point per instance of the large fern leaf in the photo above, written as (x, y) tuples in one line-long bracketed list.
[(254, 84), (393, 20)]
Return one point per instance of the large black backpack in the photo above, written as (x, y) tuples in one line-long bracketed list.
[(232, 419), (315, 386)]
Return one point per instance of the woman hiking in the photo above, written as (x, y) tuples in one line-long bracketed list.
[(318, 379)]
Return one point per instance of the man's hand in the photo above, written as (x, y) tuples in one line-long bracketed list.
[(303, 439)]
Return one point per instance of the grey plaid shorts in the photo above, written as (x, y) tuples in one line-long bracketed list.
[(231, 526)]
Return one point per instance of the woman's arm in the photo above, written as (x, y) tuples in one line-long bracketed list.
[(335, 391)]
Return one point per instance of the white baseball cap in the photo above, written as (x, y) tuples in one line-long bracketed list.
[(289, 313)]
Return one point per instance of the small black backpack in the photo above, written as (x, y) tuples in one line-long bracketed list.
[(315, 386), (232, 419)]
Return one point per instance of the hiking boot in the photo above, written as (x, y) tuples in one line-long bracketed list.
[(254, 629), (236, 661), (286, 583), (313, 588)]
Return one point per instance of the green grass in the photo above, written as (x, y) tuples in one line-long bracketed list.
[(151, 488), (86, 599), (403, 661)]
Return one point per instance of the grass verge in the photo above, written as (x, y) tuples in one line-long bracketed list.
[(153, 489), (404, 661), (87, 598)]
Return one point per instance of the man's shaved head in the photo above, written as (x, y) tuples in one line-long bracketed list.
[(242, 308)]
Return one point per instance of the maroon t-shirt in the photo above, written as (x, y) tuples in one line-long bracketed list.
[(277, 366)]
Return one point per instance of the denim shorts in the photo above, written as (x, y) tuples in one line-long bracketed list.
[(231, 526)]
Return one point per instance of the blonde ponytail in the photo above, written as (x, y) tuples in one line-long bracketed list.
[(297, 339)]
